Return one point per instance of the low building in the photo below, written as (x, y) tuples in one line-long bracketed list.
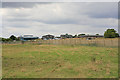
[(57, 38), (91, 36), (47, 37), (28, 37), (66, 36)]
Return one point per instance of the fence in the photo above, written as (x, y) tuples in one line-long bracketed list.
[(20, 42), (108, 42), (83, 41)]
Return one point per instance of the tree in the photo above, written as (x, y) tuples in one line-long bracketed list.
[(8, 39), (12, 37), (116, 34), (66, 36), (97, 34), (75, 36), (111, 33), (3, 39)]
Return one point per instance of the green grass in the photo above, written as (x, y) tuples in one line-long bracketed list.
[(52, 61)]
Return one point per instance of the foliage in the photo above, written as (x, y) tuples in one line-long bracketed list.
[(111, 33), (97, 34), (6, 39), (11, 38), (75, 36), (66, 36)]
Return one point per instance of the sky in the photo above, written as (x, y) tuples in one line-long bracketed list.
[(56, 18)]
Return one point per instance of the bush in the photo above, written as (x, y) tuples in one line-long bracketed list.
[(110, 33)]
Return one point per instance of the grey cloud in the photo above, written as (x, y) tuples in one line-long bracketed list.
[(61, 21), (21, 4), (60, 18), (103, 10), (119, 10), (90, 22), (16, 19), (64, 21), (95, 10)]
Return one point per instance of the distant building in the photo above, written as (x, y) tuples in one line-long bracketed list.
[(66, 36), (47, 37), (28, 37), (57, 37), (91, 36), (95, 36)]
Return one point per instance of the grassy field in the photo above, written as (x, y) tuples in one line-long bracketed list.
[(53, 61)]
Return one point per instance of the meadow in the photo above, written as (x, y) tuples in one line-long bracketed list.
[(59, 61)]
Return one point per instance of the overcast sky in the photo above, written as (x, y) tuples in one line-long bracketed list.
[(42, 18)]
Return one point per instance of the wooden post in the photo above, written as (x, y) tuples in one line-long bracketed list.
[(104, 42), (111, 43), (80, 41)]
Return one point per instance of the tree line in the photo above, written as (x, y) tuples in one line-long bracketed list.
[(11, 38), (109, 33)]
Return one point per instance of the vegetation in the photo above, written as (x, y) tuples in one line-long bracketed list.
[(97, 34), (46, 37), (73, 58), (75, 36), (11, 38), (110, 33), (51, 61), (66, 36)]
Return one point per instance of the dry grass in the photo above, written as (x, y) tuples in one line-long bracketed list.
[(53, 61)]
